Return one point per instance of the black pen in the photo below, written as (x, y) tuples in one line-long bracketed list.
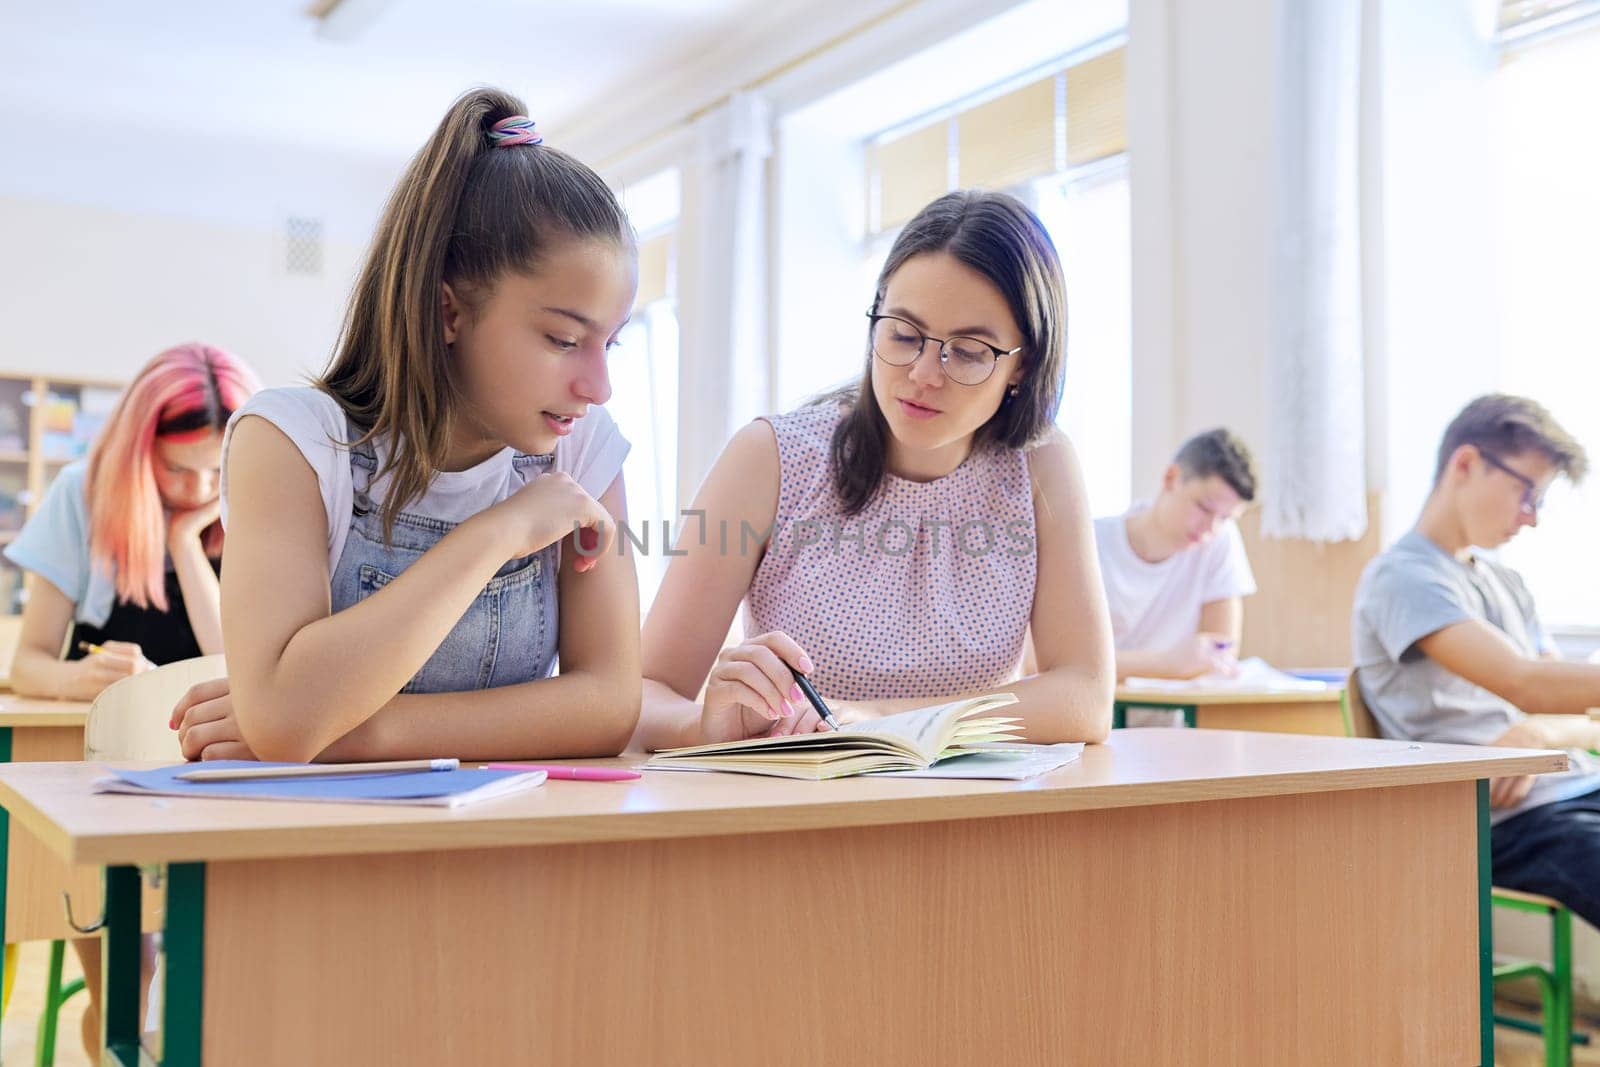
[(816, 699)]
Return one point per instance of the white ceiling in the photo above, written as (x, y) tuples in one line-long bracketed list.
[(257, 69)]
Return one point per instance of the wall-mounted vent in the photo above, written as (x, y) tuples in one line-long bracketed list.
[(302, 246)]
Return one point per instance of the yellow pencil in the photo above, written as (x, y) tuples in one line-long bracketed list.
[(91, 648)]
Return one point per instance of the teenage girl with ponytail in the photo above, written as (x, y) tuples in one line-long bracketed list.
[(401, 577)]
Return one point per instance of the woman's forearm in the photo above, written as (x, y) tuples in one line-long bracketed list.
[(666, 719), (202, 593), (574, 715), (35, 674)]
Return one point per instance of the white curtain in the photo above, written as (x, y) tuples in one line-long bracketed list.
[(1314, 466), (724, 365)]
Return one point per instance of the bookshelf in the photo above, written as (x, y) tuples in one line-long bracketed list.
[(46, 422)]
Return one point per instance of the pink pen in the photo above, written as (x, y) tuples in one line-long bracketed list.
[(571, 774)]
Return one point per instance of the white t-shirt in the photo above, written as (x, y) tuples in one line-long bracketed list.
[(592, 455), (1156, 605)]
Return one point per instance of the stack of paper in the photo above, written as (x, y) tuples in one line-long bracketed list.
[(1255, 676)]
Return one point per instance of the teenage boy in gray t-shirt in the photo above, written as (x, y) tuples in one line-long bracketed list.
[(1448, 646)]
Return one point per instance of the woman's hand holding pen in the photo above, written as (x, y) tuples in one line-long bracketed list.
[(1202, 653), (752, 691), (546, 510)]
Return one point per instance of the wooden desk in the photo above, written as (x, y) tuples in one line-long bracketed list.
[(1282, 712), (1174, 897), (31, 876)]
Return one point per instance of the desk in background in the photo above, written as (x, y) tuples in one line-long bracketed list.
[(1174, 896), (31, 876), (1276, 711)]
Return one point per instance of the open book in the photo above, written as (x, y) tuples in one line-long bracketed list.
[(909, 741)]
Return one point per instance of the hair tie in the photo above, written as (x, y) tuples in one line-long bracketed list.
[(518, 129)]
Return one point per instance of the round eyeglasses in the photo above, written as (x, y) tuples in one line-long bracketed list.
[(965, 360)]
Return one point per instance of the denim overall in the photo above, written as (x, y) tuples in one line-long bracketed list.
[(508, 635)]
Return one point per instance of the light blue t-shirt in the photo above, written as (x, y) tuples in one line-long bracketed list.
[(54, 544), (1414, 589)]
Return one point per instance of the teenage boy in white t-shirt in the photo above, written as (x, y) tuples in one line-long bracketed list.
[(1175, 569)]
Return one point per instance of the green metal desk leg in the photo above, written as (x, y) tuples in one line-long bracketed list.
[(184, 969), (1558, 1031), (1485, 934), (119, 1023), (5, 840), (55, 995)]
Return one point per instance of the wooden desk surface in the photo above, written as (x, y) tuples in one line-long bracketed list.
[(1137, 767), (31, 711), (1202, 697)]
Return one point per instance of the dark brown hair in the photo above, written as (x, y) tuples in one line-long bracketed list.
[(464, 213), (1219, 452), (1507, 425), (998, 237)]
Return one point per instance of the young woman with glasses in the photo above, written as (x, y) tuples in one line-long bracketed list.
[(897, 540)]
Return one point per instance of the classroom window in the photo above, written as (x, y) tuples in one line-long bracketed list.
[(1547, 152), (1064, 120), (644, 375), (644, 402), (1087, 214)]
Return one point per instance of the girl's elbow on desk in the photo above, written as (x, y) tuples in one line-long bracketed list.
[(621, 702), (271, 738), (277, 747)]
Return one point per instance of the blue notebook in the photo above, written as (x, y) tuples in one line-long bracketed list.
[(447, 789), (1331, 675)]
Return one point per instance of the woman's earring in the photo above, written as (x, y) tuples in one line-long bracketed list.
[(1014, 391)]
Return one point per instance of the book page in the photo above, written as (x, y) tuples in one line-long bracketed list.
[(927, 732), (909, 739), (1006, 762)]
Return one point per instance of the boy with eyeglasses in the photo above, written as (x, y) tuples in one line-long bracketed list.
[(1175, 569), (1448, 646)]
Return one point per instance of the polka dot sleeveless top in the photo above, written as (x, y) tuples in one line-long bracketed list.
[(926, 592)]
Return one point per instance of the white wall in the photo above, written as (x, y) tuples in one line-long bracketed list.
[(93, 292), (119, 241)]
